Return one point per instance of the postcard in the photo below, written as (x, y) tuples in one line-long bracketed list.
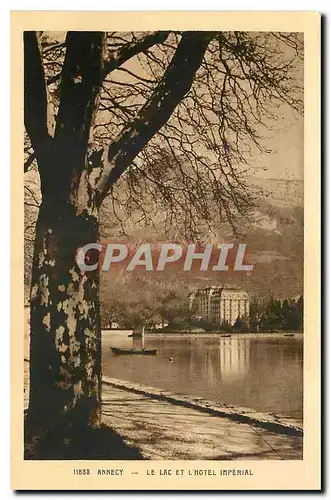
[(165, 251)]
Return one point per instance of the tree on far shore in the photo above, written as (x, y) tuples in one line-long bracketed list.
[(276, 315)]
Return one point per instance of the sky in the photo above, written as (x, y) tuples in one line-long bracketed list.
[(287, 159)]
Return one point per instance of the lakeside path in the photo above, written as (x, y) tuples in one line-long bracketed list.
[(165, 431)]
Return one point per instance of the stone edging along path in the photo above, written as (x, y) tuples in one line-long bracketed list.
[(267, 421)]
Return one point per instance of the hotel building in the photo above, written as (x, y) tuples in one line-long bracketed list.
[(224, 304)]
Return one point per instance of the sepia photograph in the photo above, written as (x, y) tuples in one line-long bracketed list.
[(164, 249)]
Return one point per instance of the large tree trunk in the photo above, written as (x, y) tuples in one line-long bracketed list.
[(65, 348)]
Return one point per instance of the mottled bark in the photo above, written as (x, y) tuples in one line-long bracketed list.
[(65, 349)]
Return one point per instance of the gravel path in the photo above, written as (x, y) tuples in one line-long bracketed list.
[(165, 431)]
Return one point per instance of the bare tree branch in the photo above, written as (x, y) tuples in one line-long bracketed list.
[(174, 85), (29, 161), (133, 48), (123, 53), (37, 113)]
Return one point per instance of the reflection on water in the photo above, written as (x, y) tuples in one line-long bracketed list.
[(234, 357), (261, 372)]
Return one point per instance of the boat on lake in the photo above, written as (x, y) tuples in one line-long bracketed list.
[(138, 344), (120, 350), (288, 334)]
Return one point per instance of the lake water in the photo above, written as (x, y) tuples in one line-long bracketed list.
[(264, 372)]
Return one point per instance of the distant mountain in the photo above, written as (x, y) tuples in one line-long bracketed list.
[(273, 232), (279, 192)]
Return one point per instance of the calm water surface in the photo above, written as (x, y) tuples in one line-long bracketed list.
[(263, 372)]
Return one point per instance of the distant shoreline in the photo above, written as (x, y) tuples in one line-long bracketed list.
[(208, 334)]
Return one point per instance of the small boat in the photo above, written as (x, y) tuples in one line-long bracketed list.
[(226, 335), (288, 334), (119, 350)]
